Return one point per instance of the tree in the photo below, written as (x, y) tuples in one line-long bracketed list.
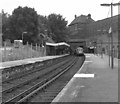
[(5, 25), (58, 27), (43, 24), (24, 20)]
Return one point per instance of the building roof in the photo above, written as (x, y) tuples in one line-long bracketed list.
[(92, 28), (102, 26), (82, 19)]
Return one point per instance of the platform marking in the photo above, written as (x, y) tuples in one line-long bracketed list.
[(65, 89), (31, 61), (82, 75), (2, 67), (88, 56), (88, 61)]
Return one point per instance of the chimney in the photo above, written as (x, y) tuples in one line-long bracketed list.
[(89, 16), (75, 15)]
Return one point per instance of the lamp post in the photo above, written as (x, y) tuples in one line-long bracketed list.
[(23, 34), (115, 4)]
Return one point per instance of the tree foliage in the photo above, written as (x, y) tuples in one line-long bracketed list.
[(5, 24), (25, 19), (43, 24), (57, 25)]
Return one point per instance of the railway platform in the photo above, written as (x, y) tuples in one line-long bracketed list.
[(26, 61), (94, 82)]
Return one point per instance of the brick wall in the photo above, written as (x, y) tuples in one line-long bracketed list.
[(103, 41)]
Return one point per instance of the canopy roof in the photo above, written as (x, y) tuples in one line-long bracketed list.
[(57, 44)]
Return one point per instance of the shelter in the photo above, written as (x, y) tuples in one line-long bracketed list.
[(57, 48)]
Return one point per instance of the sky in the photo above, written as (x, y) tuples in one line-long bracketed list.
[(67, 8)]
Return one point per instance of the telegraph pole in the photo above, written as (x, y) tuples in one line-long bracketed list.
[(112, 57)]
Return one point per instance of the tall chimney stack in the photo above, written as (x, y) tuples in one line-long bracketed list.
[(75, 15), (89, 16)]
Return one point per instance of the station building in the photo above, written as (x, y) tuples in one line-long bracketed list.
[(94, 36)]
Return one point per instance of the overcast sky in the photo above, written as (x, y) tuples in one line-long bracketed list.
[(67, 8)]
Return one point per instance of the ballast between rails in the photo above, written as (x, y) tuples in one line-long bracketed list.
[(28, 93), (46, 84)]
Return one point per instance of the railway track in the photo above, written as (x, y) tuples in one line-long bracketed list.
[(26, 84), (17, 82), (27, 69), (50, 91), (30, 88)]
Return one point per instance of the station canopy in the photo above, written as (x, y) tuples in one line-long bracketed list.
[(57, 44)]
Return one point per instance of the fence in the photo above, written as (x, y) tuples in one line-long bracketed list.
[(12, 53)]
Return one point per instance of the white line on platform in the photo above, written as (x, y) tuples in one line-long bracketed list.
[(88, 56), (2, 67), (82, 75), (65, 89), (88, 61), (31, 61), (82, 86)]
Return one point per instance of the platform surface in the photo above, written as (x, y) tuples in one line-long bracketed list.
[(26, 61), (94, 82)]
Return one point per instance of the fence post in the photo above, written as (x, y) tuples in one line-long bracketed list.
[(27, 50), (21, 52), (31, 51), (36, 51), (39, 50), (117, 51), (5, 52), (45, 51), (36, 46)]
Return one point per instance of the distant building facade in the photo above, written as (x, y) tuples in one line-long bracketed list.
[(78, 30), (86, 32)]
